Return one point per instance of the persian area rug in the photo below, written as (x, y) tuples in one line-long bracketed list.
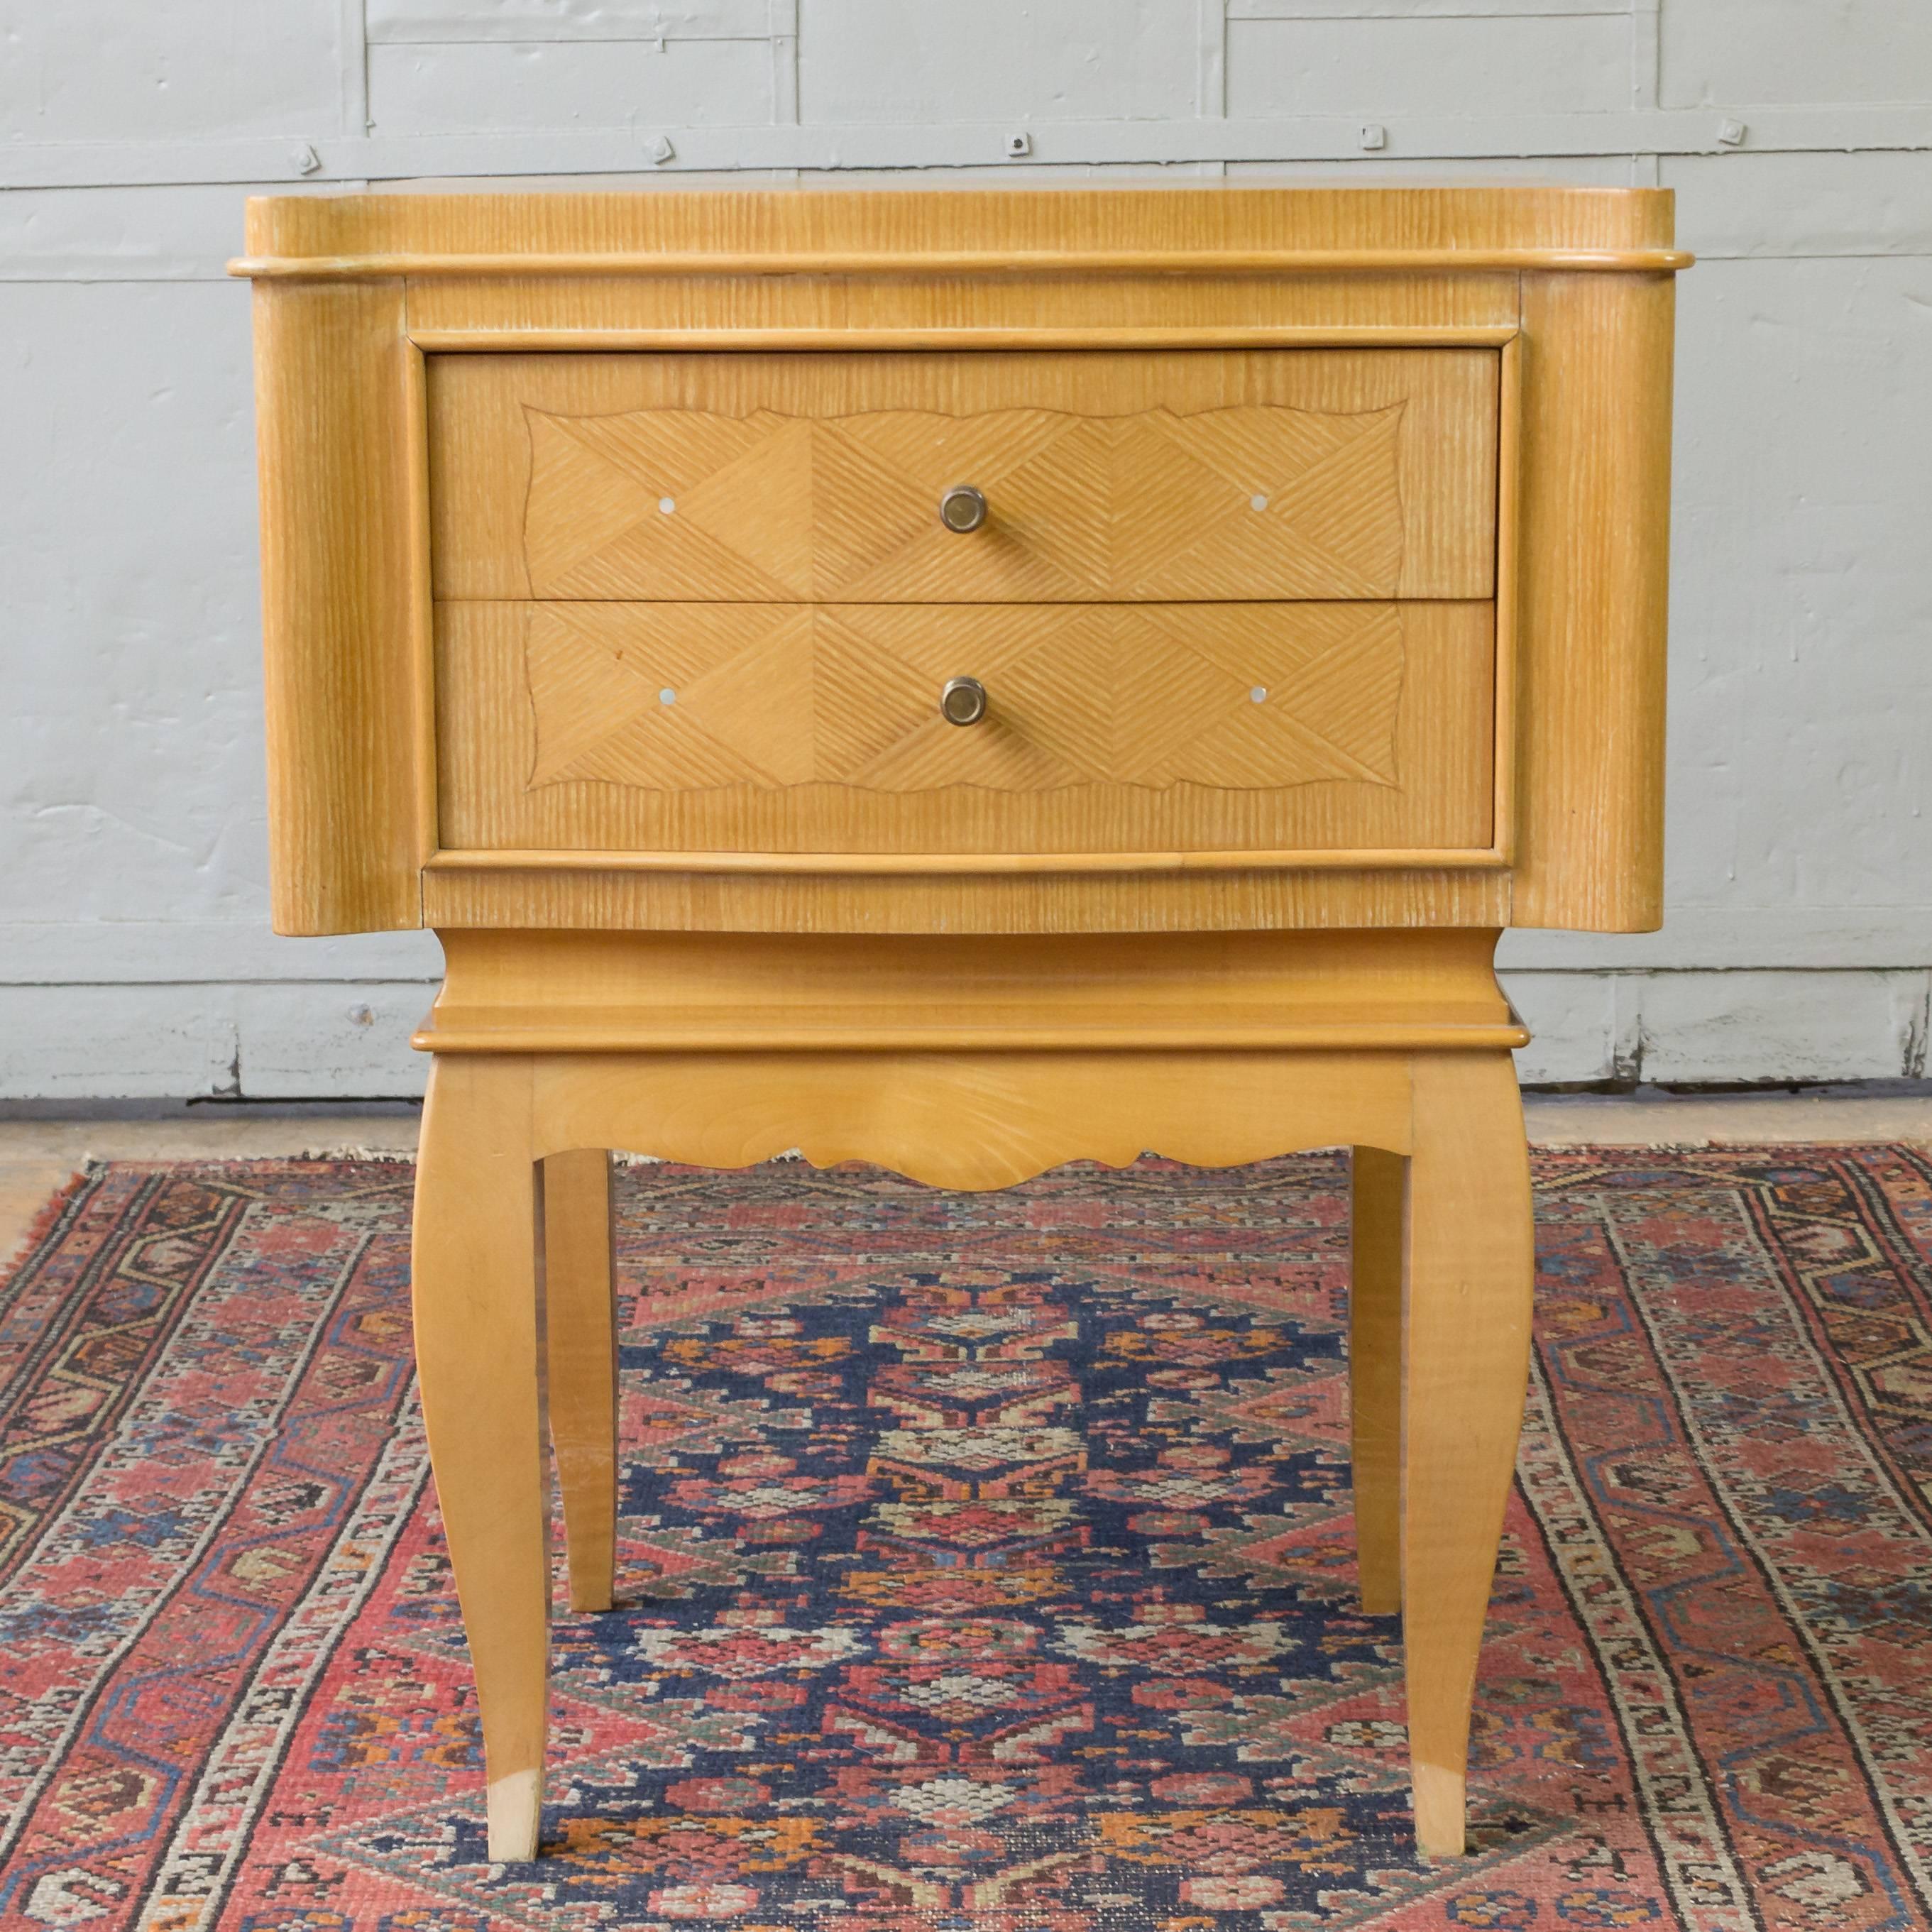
[(987, 1562)]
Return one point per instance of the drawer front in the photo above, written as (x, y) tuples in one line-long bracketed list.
[(817, 728), (1318, 474)]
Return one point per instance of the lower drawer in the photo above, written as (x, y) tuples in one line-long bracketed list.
[(1107, 728)]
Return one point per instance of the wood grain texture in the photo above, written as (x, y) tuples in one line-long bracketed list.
[(978, 262), (1163, 221), (477, 1296), (1162, 902), (1506, 742), (1116, 729), (1242, 501), (504, 860), (1581, 603), (1378, 1182), (1469, 1254), (344, 607), (580, 1347), (972, 1121), (1108, 475), (942, 340), (1593, 590), (516, 313), (696, 697), (632, 1032), (522, 992)]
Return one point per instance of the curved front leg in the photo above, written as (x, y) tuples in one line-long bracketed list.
[(1469, 1264), (478, 1328)]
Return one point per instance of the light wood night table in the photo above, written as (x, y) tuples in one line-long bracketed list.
[(966, 682)]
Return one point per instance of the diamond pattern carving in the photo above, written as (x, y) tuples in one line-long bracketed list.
[(777, 507), (689, 697)]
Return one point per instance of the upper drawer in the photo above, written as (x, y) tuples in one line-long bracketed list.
[(1185, 474)]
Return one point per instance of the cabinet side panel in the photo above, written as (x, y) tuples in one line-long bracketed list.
[(1593, 559), (344, 602)]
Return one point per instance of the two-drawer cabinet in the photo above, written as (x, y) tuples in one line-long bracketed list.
[(967, 682), (1217, 600)]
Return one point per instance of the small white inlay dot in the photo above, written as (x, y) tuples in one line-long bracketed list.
[(1258, 694), (1258, 501), (668, 504), (666, 696)]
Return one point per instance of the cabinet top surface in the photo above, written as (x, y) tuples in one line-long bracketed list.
[(1474, 227)]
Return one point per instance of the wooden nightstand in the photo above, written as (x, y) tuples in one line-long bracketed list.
[(966, 682)]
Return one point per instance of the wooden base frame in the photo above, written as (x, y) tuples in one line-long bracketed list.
[(513, 1291)]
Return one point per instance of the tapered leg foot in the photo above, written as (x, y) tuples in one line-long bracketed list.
[(515, 1808), (1378, 1182), (580, 1317), (1469, 1264), (478, 1233)]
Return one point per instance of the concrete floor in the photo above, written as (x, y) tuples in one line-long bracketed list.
[(37, 1157)]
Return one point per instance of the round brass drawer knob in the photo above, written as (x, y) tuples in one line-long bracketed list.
[(962, 701), (962, 508)]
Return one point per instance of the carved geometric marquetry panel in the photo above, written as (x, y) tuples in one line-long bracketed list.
[(1258, 501), (688, 697)]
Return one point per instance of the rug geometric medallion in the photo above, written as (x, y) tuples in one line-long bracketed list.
[(986, 1565)]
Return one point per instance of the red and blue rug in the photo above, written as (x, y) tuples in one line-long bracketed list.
[(987, 1563)]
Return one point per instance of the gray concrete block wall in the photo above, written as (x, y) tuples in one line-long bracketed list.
[(134, 954)]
